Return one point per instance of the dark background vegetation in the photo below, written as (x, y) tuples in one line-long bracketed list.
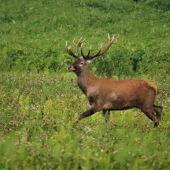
[(33, 34)]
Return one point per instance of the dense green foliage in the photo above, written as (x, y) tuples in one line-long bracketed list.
[(40, 100)]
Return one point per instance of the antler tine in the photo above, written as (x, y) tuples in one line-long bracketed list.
[(82, 51), (108, 36), (113, 38), (74, 42), (107, 47), (99, 53), (80, 39), (101, 46), (68, 49), (89, 52), (78, 45), (88, 57)]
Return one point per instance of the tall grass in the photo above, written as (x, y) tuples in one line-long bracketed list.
[(40, 100)]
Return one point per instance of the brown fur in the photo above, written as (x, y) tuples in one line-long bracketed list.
[(154, 86), (109, 94)]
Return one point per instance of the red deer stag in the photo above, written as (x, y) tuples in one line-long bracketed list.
[(108, 94)]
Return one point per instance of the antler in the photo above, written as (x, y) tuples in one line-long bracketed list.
[(99, 53), (79, 44)]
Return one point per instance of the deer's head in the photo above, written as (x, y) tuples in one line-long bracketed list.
[(80, 64)]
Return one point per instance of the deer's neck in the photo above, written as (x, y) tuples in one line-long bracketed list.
[(84, 80)]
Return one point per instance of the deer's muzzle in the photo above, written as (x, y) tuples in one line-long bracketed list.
[(71, 68)]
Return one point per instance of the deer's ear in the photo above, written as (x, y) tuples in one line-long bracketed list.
[(88, 61)]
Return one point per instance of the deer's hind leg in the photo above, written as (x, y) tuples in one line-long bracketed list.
[(106, 114), (152, 111), (158, 110), (151, 114)]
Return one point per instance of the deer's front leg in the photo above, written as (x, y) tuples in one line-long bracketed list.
[(93, 109), (85, 114)]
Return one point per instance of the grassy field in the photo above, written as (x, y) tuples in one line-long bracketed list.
[(40, 100)]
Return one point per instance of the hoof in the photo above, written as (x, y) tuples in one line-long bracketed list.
[(75, 123), (156, 124)]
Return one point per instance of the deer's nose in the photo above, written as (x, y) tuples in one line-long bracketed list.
[(71, 68)]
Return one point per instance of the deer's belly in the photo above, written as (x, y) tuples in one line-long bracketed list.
[(117, 102)]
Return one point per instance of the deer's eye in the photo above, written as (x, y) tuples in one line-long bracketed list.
[(81, 63)]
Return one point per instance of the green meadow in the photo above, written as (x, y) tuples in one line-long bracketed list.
[(40, 99)]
